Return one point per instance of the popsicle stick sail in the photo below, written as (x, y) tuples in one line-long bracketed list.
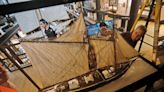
[(60, 62), (57, 62)]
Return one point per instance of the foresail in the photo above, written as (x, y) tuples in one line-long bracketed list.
[(104, 50), (57, 61), (75, 32), (124, 48)]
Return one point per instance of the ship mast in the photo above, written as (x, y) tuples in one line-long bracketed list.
[(114, 4), (92, 62)]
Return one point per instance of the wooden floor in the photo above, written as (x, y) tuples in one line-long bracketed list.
[(24, 85)]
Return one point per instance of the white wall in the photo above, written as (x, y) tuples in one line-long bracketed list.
[(16, 1), (54, 13), (28, 20), (2, 2)]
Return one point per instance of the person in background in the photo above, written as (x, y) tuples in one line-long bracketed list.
[(161, 45), (104, 30), (133, 37), (48, 31), (5, 85)]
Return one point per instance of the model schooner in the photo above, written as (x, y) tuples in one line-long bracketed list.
[(70, 63)]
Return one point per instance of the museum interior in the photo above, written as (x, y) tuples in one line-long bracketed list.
[(81, 45)]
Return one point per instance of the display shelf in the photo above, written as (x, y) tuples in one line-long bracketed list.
[(17, 54), (9, 33), (11, 67), (24, 65), (6, 40)]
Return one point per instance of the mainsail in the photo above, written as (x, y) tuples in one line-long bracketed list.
[(59, 62)]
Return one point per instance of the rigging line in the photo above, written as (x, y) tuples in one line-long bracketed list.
[(101, 39), (52, 41)]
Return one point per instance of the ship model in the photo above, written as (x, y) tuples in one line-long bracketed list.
[(76, 61)]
